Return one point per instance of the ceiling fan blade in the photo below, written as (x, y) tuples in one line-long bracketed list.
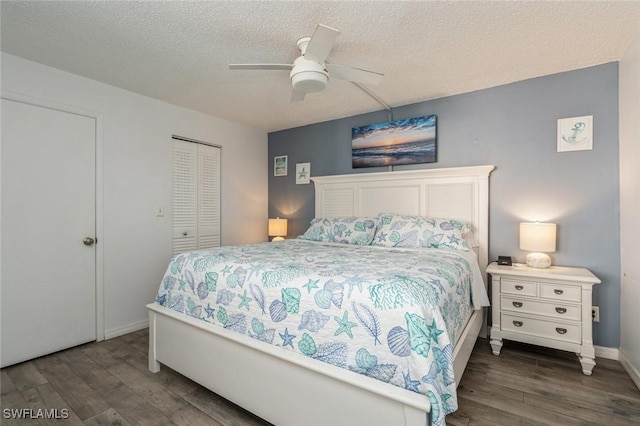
[(354, 74), (297, 96), (260, 66), (321, 43)]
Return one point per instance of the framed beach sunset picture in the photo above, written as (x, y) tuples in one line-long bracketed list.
[(408, 141)]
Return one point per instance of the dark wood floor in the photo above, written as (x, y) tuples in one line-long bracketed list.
[(531, 385), (108, 383)]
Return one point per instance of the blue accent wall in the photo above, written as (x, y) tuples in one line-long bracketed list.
[(514, 128)]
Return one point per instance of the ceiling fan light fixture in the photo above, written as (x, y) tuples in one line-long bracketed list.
[(308, 76), (309, 81)]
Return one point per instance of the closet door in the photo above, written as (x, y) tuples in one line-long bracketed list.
[(208, 196), (185, 196), (196, 196)]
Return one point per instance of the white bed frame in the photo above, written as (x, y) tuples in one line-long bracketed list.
[(286, 388)]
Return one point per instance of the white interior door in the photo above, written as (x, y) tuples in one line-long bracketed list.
[(48, 294)]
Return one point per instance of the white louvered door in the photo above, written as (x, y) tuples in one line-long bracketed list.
[(185, 196), (196, 196), (208, 196)]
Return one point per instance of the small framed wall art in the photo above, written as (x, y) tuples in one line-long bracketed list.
[(280, 165), (575, 134), (303, 173)]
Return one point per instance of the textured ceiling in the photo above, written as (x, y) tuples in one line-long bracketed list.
[(179, 51)]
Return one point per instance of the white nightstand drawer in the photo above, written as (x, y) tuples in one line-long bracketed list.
[(542, 328), (560, 292), (536, 307), (526, 288)]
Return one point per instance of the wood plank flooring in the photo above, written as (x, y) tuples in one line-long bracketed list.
[(108, 383), (531, 385)]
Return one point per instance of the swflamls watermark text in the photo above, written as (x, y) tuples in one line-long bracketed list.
[(40, 413)]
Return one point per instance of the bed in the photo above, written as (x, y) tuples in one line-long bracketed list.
[(262, 370)]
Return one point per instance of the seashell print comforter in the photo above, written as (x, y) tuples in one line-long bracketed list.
[(388, 313)]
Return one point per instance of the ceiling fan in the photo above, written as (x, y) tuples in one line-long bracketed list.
[(311, 71)]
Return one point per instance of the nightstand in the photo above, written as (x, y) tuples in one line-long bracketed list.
[(548, 307)]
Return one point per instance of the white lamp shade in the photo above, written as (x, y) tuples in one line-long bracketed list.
[(540, 237), (277, 227)]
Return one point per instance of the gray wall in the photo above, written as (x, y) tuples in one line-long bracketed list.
[(514, 128)]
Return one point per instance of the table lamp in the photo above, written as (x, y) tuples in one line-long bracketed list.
[(538, 238), (277, 229)]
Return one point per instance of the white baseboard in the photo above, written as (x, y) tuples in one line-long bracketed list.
[(631, 370), (608, 353), (129, 328)]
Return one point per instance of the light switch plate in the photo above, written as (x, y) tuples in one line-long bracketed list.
[(159, 211)]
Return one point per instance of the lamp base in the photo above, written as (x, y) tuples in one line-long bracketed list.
[(278, 239), (538, 260)]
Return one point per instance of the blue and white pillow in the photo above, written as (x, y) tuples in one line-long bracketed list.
[(347, 230), (417, 231)]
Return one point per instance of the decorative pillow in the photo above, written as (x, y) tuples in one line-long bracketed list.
[(347, 230), (417, 231)]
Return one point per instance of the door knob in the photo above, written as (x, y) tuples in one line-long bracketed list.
[(88, 241)]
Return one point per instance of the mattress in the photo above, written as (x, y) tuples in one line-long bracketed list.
[(387, 313)]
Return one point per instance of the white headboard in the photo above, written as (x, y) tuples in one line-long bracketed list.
[(457, 193)]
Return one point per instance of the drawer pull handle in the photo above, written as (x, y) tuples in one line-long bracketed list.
[(561, 330), (517, 304), (558, 291), (561, 310), (519, 324), (519, 287)]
